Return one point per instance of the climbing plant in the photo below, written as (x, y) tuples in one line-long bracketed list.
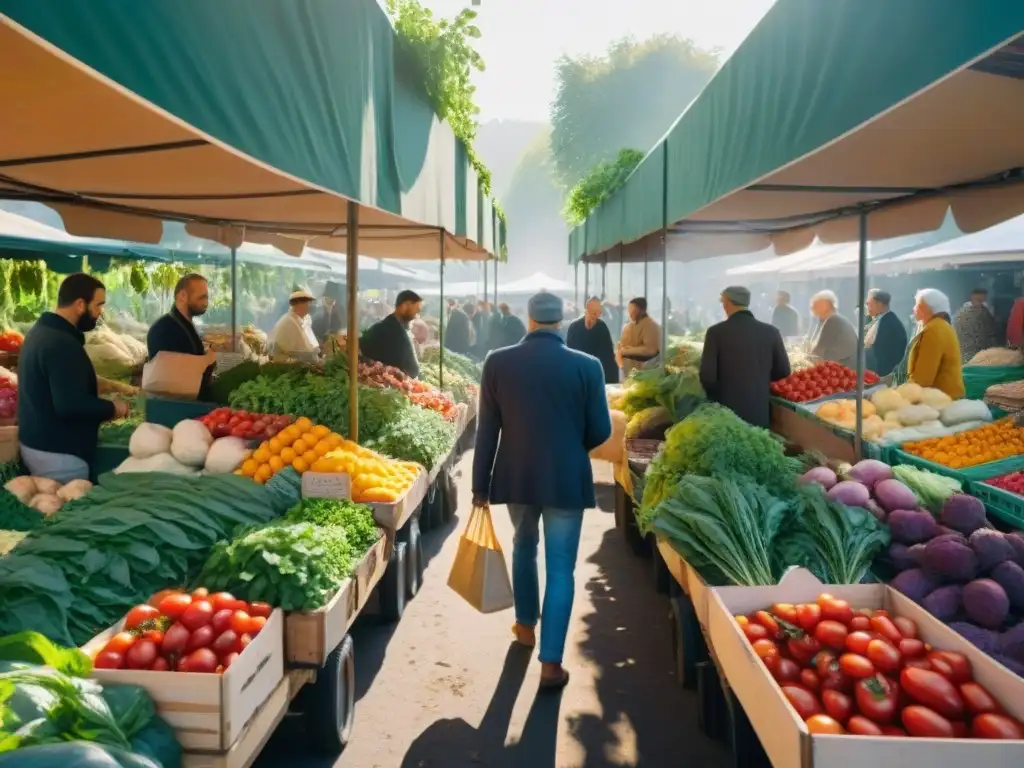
[(599, 184)]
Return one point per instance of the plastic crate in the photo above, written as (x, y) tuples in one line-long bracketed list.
[(1007, 506), (168, 411), (107, 458), (965, 475)]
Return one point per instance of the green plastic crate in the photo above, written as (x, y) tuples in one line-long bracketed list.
[(169, 411), (1007, 506), (966, 475), (107, 458)]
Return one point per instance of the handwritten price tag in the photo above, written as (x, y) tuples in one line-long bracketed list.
[(324, 485)]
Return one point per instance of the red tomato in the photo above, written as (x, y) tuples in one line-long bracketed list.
[(823, 724), (140, 614), (141, 655), (933, 690), (804, 702), (803, 649), (763, 648), (893, 730), (856, 666), (911, 648), (182, 665), (918, 664), (832, 634), (883, 625), (941, 666), (808, 615), (767, 621), (834, 608), (861, 726), (222, 620), (175, 639), (240, 623), (201, 638), (156, 599), (265, 609), (256, 623), (857, 642), (226, 642), (154, 636), (784, 611), (243, 641), (230, 659), (926, 723), (977, 700), (175, 604), (860, 624), (906, 626), (201, 593), (201, 660), (197, 615), (877, 698), (120, 643), (754, 632), (959, 665), (837, 705), (108, 660), (809, 679), (959, 729), (993, 726), (786, 671), (160, 664), (884, 656)]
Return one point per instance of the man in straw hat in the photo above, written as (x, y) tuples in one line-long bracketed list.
[(542, 410), (742, 357), (293, 337)]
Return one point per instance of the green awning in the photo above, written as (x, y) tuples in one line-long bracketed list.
[(829, 107)]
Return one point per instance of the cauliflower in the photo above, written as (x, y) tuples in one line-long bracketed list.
[(149, 440), (886, 400), (190, 442)]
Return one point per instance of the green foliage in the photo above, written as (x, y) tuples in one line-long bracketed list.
[(599, 184), (627, 98), (355, 518)]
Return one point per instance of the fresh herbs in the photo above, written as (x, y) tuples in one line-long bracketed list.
[(15, 516), (420, 435), (356, 519)]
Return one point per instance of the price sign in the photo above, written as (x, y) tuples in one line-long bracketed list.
[(326, 485)]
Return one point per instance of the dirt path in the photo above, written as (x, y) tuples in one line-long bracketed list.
[(444, 688)]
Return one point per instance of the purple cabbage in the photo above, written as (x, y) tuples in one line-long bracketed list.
[(963, 513), (915, 584), (986, 603), (911, 526)]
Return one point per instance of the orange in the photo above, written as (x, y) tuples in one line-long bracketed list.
[(300, 465), (288, 435), (300, 446), (310, 456), (262, 454), (263, 473), (249, 467), (320, 431), (288, 455), (276, 463), (322, 447), (274, 446), (303, 424)]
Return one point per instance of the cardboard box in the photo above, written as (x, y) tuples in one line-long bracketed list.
[(9, 447), (393, 516), (783, 735), (208, 712), (311, 636), (688, 578)]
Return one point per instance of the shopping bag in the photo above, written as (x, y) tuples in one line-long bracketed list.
[(479, 573), (614, 448), (174, 374)]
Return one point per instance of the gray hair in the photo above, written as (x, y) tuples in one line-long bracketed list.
[(882, 297), (934, 299), (828, 296)]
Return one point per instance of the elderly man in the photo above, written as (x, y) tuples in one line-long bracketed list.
[(542, 410), (457, 330), (835, 338), (641, 338), (742, 357), (590, 334), (293, 337), (975, 326), (784, 317), (885, 339)]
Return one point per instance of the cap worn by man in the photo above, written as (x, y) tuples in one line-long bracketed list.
[(738, 295), (301, 295), (545, 308)]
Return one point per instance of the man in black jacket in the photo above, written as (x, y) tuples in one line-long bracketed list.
[(59, 409), (176, 332), (456, 330), (388, 341), (590, 334), (885, 339), (742, 357)]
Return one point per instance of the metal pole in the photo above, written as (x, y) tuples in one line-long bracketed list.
[(620, 284), (586, 281), (862, 279), (576, 284), (485, 280), (664, 260), (234, 299), (352, 337), (495, 282), (604, 278), (440, 361)]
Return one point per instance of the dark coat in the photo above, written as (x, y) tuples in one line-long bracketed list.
[(512, 330), (786, 319), (327, 324), (742, 357), (456, 332), (596, 341), (388, 342), (542, 410), (175, 333), (889, 348), (59, 408)]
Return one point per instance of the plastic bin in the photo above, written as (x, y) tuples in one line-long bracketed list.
[(107, 458), (169, 411), (1007, 506), (965, 475)]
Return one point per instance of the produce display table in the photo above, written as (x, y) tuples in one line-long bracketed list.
[(802, 427)]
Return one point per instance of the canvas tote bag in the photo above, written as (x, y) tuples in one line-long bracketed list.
[(479, 573)]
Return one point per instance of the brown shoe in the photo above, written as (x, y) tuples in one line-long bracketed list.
[(526, 636), (554, 682)]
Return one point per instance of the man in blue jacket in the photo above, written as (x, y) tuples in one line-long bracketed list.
[(542, 410)]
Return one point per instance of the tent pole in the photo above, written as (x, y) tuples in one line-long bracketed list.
[(495, 281), (862, 268), (234, 299), (586, 281), (440, 332), (604, 278), (576, 284), (486, 275), (352, 337), (664, 260), (620, 283)]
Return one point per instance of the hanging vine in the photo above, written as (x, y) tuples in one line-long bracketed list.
[(599, 184), (443, 50)]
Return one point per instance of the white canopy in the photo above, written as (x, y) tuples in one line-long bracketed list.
[(1000, 244), (806, 257), (536, 283)]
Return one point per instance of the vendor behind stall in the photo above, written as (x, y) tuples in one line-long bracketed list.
[(293, 337), (176, 333), (389, 342), (641, 338), (59, 410)]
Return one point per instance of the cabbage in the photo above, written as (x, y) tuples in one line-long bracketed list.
[(963, 513)]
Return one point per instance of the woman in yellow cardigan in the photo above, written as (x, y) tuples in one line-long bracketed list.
[(934, 358)]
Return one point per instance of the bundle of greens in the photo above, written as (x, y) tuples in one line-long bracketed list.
[(834, 542), (725, 528), (131, 536), (16, 516), (931, 489), (462, 389), (458, 363), (355, 518), (421, 435), (649, 424), (677, 390)]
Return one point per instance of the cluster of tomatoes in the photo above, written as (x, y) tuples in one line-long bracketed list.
[(225, 422), (863, 672), (1013, 482), (183, 632), (820, 380)]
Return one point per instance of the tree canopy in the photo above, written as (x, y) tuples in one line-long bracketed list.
[(599, 183), (627, 98)]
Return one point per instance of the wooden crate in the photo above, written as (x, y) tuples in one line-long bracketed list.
[(310, 636), (9, 450), (209, 712), (393, 516)]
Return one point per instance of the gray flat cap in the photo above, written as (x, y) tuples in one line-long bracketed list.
[(738, 295), (545, 308)]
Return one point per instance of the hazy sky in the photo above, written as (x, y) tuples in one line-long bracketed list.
[(522, 39)]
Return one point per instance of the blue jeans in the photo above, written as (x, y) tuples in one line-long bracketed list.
[(561, 543), (61, 467)]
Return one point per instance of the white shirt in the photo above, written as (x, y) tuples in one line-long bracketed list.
[(293, 337)]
